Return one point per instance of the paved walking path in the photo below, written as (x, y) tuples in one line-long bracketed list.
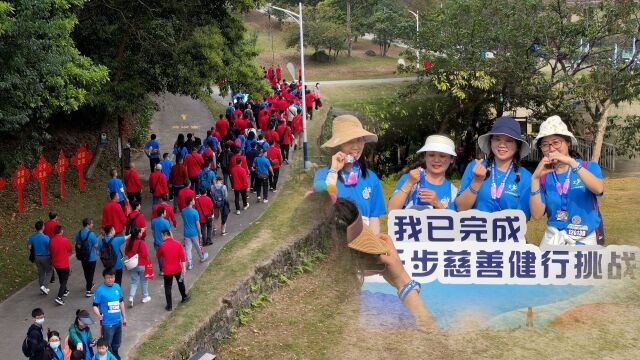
[(15, 312)]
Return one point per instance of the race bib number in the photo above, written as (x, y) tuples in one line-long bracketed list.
[(113, 306), (577, 230)]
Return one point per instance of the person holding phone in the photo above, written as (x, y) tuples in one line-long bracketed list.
[(349, 172), (499, 182), (565, 188)]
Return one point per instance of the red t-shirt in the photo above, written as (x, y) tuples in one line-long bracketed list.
[(194, 163), (204, 205), (284, 132), (243, 162), (49, 226), (140, 222), (113, 215), (272, 135), (182, 195), (296, 124), (263, 118), (132, 181), (60, 248), (216, 135), (239, 179), (172, 254), (241, 124), (236, 113), (275, 156), (278, 73), (309, 99), (158, 183), (139, 247), (222, 125), (168, 210), (207, 154), (178, 174)]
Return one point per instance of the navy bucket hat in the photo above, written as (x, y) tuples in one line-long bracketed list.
[(504, 125)]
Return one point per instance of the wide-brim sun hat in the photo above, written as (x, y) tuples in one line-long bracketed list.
[(361, 238), (439, 143), (346, 128), (504, 125), (554, 126)]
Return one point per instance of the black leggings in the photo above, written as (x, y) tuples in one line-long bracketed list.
[(63, 276), (89, 268), (239, 193), (168, 282)]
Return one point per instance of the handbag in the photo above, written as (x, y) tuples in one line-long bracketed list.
[(132, 262), (148, 271)]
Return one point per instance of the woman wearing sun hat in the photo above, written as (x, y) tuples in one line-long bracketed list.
[(498, 183), (348, 173), (427, 187), (564, 187)]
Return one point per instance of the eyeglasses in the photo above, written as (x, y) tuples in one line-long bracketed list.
[(555, 143)]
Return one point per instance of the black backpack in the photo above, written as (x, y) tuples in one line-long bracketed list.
[(131, 224), (108, 254), (271, 123), (83, 251), (26, 349), (225, 157)]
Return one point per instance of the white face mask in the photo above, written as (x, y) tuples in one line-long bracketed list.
[(54, 344), (40, 321)]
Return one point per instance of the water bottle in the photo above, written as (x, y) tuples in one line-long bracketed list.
[(422, 185), (181, 277)]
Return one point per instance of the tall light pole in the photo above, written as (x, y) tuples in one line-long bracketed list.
[(417, 16), (298, 18)]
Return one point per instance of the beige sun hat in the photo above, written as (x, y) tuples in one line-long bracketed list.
[(439, 143), (554, 126), (361, 238), (346, 128)]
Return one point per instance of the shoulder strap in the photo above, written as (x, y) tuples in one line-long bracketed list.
[(157, 181), (86, 238)]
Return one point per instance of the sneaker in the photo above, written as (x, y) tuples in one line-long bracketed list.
[(88, 293), (189, 266), (275, 190), (130, 302), (146, 299), (259, 198), (205, 257), (237, 212), (168, 308), (66, 293), (59, 301), (44, 290), (246, 207), (186, 299), (286, 161), (224, 232), (52, 281), (265, 201)]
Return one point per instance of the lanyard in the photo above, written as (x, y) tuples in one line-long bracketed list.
[(351, 178), (564, 189), (496, 193)]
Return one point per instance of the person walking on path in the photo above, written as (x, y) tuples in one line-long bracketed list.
[(152, 150), (137, 246), (206, 177), (108, 305), (166, 166), (158, 184), (49, 225), (251, 155), (184, 193), (36, 342), (176, 179), (132, 183), (159, 224), (220, 195), (240, 184), (172, 256), (60, 248), (192, 232), (297, 128), (115, 241), (80, 337), (284, 132), (136, 220), (204, 205), (169, 214), (86, 246), (112, 214), (39, 244), (115, 185), (263, 170), (275, 158), (194, 162)]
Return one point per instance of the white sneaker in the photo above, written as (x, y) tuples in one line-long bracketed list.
[(275, 190), (146, 299), (259, 198), (130, 302), (44, 290), (205, 257), (237, 212), (246, 207), (265, 201)]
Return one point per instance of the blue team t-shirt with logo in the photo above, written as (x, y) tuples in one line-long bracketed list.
[(40, 243), (189, 218), (153, 144), (115, 185), (514, 196), (583, 218), (107, 299), (445, 192), (158, 224), (366, 194)]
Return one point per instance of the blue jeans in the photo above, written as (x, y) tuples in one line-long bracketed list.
[(112, 335), (137, 274)]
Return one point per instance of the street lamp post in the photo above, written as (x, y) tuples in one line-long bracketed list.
[(298, 18), (417, 16)]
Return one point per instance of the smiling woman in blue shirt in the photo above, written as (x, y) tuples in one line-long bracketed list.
[(349, 172), (565, 188)]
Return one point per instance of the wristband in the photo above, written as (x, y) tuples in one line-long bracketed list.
[(534, 193), (473, 191), (404, 191), (331, 171), (405, 290), (577, 168)]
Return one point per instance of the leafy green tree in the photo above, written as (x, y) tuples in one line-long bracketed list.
[(388, 23)]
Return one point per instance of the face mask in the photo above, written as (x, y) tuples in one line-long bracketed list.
[(54, 345), (40, 321)]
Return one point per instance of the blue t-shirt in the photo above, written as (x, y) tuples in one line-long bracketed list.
[(213, 142), (153, 144), (366, 194), (262, 165), (166, 167), (115, 185), (247, 145), (92, 240), (583, 217), (182, 150), (446, 193), (157, 225), (117, 243), (514, 196), (107, 299), (40, 243), (190, 217), (206, 178)]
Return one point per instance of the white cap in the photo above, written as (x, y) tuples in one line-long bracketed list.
[(158, 166), (439, 143)]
